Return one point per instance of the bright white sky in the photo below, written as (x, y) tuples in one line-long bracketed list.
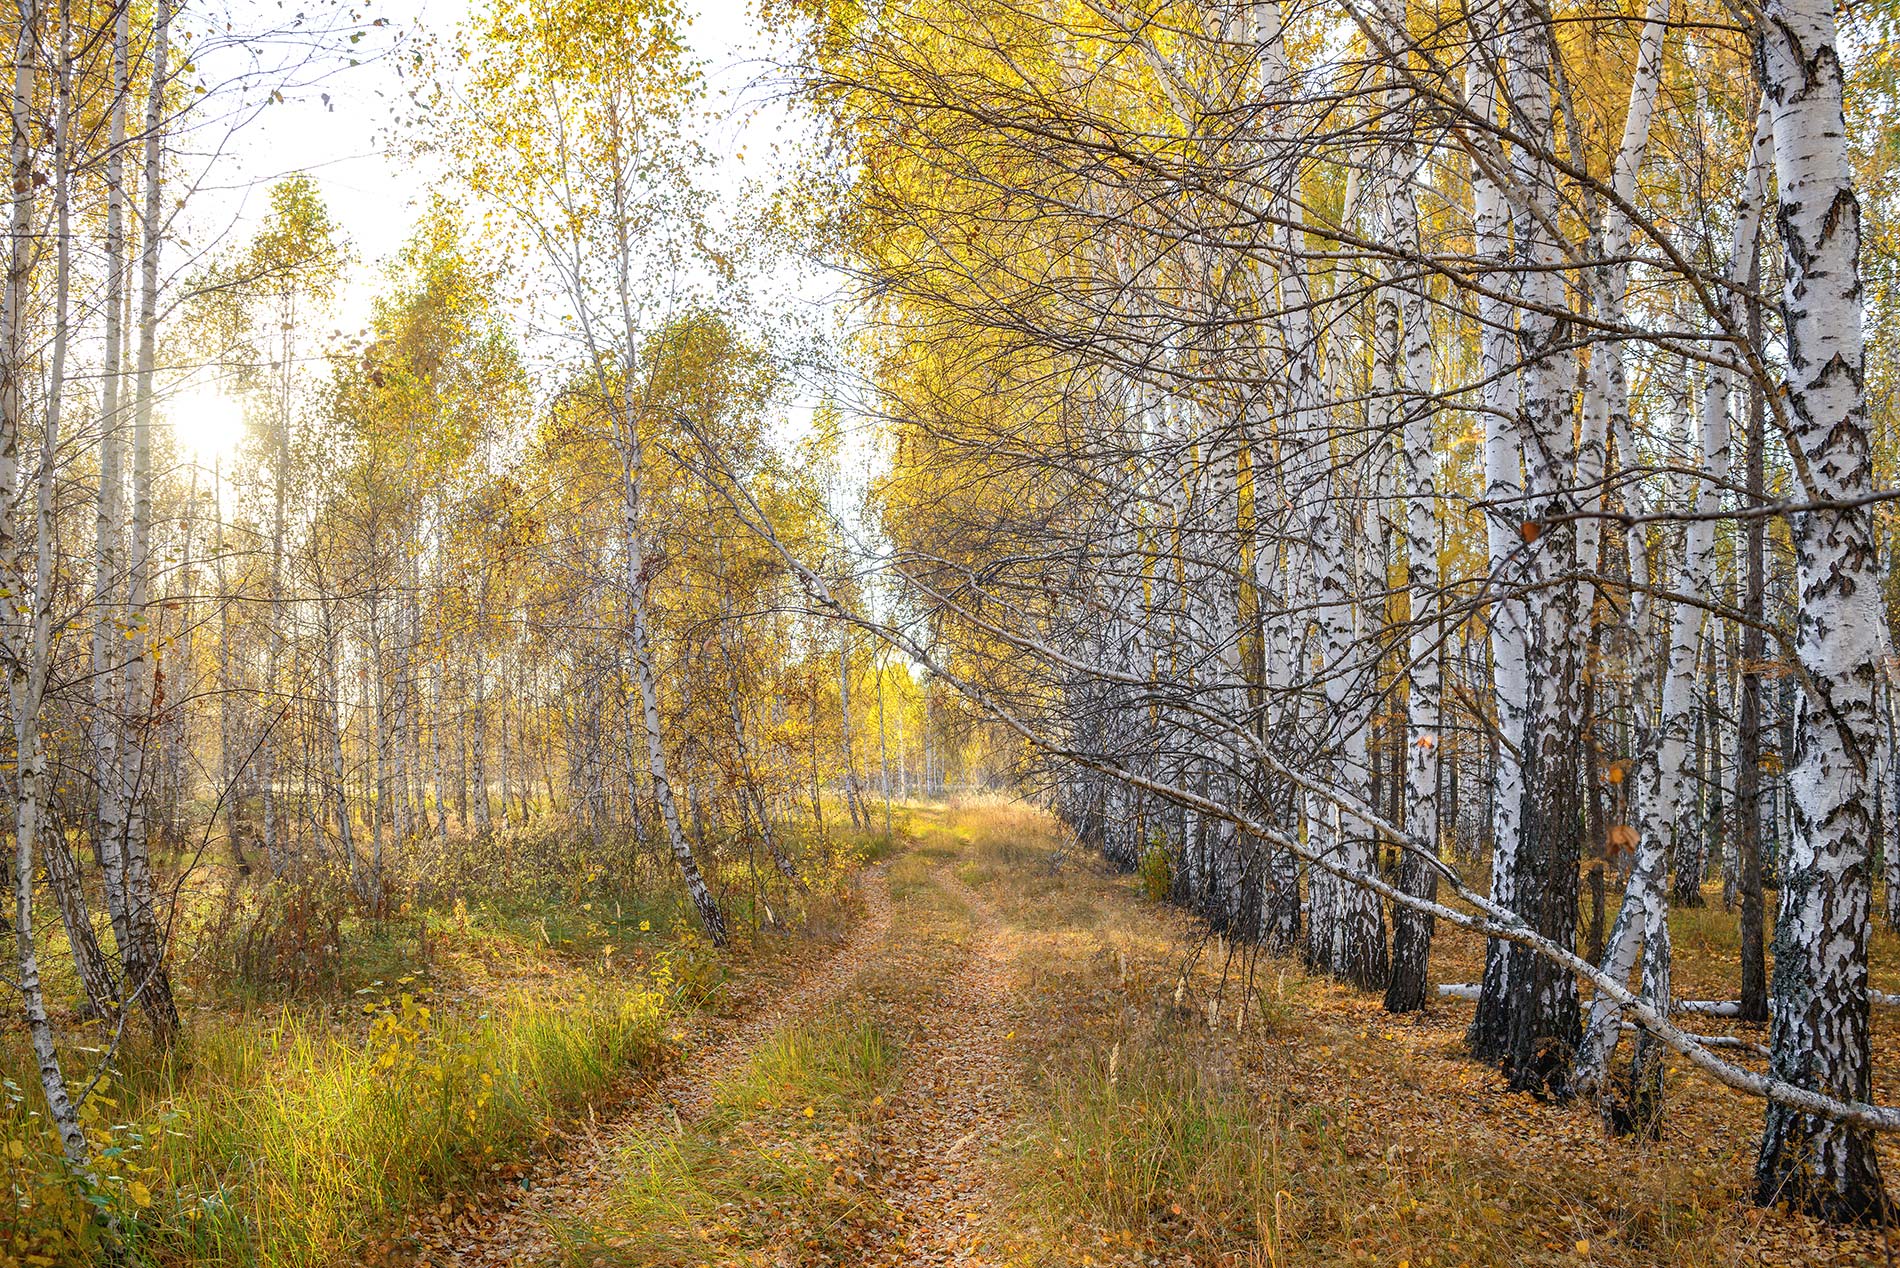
[(341, 126), (340, 130)]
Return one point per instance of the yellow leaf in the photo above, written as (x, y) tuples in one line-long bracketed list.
[(141, 1196), (15, 1149), (1583, 1246), (809, 1111)]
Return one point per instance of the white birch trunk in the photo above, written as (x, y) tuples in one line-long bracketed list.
[(146, 977), (109, 551), (1412, 931), (1819, 1027), (1504, 491), (29, 576)]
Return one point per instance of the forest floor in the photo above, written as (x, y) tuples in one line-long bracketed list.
[(1012, 1058)]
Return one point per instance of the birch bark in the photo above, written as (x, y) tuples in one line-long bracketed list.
[(1412, 930), (30, 576), (146, 976), (1819, 1026)]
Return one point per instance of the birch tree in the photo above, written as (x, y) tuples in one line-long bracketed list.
[(1819, 1013), (563, 125)]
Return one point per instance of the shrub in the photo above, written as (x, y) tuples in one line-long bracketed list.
[(1156, 875)]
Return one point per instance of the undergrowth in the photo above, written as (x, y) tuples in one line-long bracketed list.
[(343, 1064), (1150, 1145), (288, 1143)]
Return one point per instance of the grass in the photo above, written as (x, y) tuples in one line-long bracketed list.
[(771, 1162), (1174, 1102), (288, 1141), (784, 1163), (303, 1116), (1150, 1146), (834, 1064), (296, 1150), (1162, 1120)]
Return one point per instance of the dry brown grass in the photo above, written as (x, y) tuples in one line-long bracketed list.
[(1184, 1106)]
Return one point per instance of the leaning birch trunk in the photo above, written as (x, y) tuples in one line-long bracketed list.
[(640, 652), (1663, 776), (62, 873), (90, 963), (624, 408), (1663, 771), (1819, 1026)]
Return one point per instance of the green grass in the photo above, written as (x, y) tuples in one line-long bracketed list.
[(308, 1108), (784, 1161), (299, 1120), (833, 1064), (770, 1163), (284, 1142)]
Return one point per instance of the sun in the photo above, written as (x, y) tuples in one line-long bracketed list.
[(207, 423)]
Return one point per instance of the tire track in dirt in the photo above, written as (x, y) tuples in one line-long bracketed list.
[(511, 1220), (952, 1107)]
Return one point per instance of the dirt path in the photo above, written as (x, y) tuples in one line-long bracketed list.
[(951, 1105), (972, 996), (507, 1223), (946, 1113)]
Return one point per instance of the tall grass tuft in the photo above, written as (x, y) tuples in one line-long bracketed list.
[(1144, 1139), (284, 1143)]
